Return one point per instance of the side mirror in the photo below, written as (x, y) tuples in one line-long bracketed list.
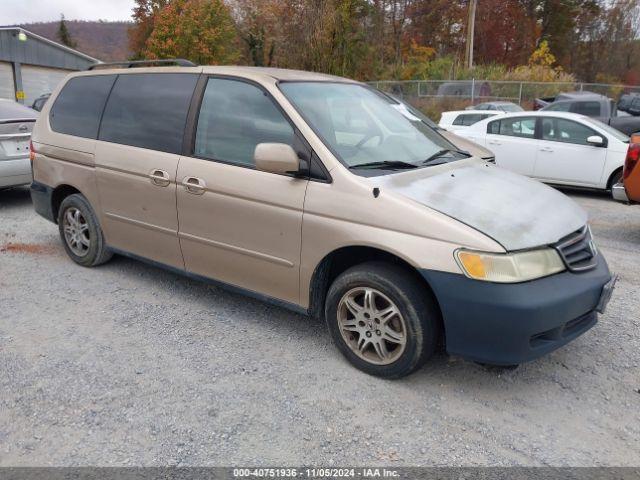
[(596, 141), (276, 158)]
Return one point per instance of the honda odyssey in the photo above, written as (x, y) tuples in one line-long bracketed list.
[(314, 192)]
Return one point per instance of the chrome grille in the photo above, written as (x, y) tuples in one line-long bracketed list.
[(577, 250)]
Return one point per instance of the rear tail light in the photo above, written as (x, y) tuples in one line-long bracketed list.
[(32, 155), (633, 155)]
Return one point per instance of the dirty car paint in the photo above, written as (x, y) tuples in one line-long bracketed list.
[(515, 211)]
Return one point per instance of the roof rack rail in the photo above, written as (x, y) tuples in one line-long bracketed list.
[(180, 62)]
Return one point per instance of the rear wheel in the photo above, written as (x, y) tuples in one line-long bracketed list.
[(81, 233), (615, 178), (382, 319)]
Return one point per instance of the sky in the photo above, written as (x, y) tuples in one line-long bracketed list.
[(14, 12)]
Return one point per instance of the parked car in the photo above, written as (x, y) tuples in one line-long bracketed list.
[(634, 106), (461, 119), (600, 107), (464, 88), (450, 140), (542, 102), (16, 123), (315, 193), (629, 189), (555, 147), (502, 106), (625, 101), (39, 102)]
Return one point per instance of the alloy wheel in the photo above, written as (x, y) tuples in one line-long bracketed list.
[(372, 325), (76, 231)]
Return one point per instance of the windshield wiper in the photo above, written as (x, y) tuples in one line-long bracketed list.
[(441, 153), (390, 164)]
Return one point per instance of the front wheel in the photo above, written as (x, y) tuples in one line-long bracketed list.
[(382, 319)]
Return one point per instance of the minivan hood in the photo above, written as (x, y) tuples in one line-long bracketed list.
[(463, 144), (515, 211)]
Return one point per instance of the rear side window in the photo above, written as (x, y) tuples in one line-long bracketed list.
[(78, 107), (524, 127), (494, 127), (149, 110), (468, 119), (589, 109)]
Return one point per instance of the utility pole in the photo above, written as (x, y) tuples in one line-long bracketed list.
[(471, 24)]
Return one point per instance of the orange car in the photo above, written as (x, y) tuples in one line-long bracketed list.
[(629, 189)]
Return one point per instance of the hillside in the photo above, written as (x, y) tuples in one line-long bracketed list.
[(106, 41)]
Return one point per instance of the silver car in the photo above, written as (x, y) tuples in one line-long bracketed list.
[(16, 124), (501, 106)]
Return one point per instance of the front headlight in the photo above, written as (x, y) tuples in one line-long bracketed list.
[(509, 267)]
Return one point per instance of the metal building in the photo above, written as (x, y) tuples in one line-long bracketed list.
[(31, 65)]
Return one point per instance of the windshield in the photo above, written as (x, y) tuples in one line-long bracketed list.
[(361, 127), (610, 130)]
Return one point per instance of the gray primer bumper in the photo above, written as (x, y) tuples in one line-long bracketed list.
[(619, 193)]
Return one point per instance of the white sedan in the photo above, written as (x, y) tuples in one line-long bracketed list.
[(462, 119), (554, 147)]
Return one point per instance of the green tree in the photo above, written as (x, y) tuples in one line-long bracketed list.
[(63, 34), (202, 31)]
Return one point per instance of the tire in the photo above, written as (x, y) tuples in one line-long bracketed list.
[(616, 177), (364, 340), (82, 240)]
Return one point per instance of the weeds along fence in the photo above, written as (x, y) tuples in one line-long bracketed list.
[(436, 96)]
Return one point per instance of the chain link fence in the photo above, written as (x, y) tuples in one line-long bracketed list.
[(436, 96)]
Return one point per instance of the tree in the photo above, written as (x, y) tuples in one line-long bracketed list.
[(63, 34), (202, 31), (144, 14), (259, 23), (542, 56)]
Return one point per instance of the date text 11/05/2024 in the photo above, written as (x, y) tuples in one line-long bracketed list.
[(315, 472)]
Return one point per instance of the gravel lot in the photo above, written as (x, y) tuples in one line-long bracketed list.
[(127, 364)]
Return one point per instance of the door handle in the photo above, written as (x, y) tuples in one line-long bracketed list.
[(546, 149), (194, 185), (159, 177), (493, 142)]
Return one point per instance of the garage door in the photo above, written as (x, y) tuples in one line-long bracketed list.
[(6, 81), (39, 80)]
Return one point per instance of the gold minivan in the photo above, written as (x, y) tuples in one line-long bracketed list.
[(314, 192)]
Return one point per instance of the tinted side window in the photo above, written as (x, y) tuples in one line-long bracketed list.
[(494, 127), (149, 110), (79, 105), (236, 116), (468, 119), (518, 127), (590, 109), (568, 131)]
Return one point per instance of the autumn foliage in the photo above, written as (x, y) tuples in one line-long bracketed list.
[(399, 39), (201, 30)]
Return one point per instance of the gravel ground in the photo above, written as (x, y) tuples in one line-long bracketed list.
[(127, 364)]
